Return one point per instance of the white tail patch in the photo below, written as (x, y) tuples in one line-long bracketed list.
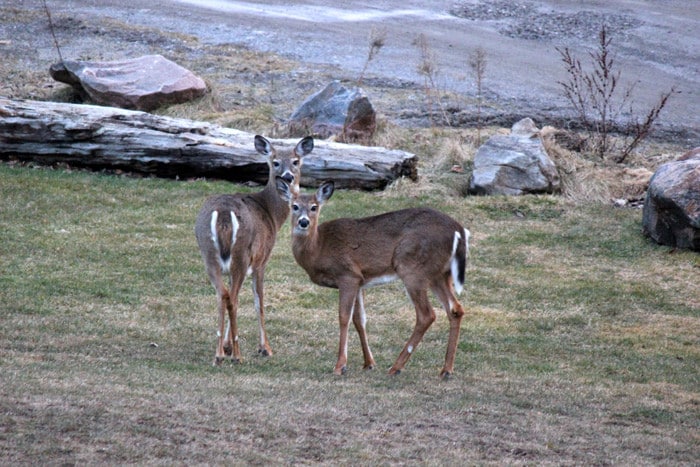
[(454, 263), (212, 225), (224, 264)]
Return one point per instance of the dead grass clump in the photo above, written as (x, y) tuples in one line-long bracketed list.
[(587, 180)]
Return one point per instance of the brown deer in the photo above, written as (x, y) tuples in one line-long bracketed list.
[(424, 248), (236, 233)]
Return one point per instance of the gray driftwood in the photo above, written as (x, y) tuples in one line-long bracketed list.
[(110, 138)]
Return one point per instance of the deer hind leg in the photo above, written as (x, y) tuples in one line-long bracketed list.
[(348, 295), (223, 300), (237, 276), (445, 293), (359, 319), (424, 318), (224, 304), (264, 348)]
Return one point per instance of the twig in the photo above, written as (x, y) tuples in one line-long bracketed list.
[(53, 33)]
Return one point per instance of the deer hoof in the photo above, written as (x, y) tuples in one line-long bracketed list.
[(445, 375), (218, 361), (369, 367), (394, 372), (340, 371)]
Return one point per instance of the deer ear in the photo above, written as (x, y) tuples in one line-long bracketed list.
[(263, 146), (325, 191), (304, 146), (283, 189)]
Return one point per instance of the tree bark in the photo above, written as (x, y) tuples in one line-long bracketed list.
[(100, 138)]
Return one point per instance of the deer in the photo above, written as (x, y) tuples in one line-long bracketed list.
[(236, 233), (423, 247)]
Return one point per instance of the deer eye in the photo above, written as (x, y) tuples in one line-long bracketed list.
[(313, 208), (276, 163), (295, 162), (295, 207)]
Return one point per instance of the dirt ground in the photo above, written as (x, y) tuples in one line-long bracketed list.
[(656, 43)]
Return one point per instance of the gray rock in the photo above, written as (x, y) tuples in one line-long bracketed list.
[(525, 128), (514, 164), (672, 206), (335, 111), (143, 83)]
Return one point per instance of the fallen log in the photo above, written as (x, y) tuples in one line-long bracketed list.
[(100, 138)]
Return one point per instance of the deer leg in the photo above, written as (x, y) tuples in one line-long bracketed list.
[(345, 312), (223, 303), (264, 348), (359, 319), (454, 311), (424, 318), (222, 298), (236, 283)]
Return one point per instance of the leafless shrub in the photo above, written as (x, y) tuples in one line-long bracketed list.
[(377, 39), (596, 99), (428, 69), (477, 62)]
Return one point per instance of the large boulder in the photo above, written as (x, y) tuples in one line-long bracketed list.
[(143, 83), (515, 164), (336, 111), (672, 205)]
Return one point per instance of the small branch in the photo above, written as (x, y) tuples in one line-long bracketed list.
[(53, 33)]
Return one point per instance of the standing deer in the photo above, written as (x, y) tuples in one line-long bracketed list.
[(422, 247), (236, 233)]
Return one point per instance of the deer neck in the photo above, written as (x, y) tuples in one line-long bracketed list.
[(270, 200), (306, 249)]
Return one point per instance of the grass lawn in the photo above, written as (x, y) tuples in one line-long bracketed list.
[(581, 343)]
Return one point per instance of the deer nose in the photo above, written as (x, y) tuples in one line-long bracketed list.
[(304, 223), (287, 177)]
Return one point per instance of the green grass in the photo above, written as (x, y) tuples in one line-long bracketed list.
[(581, 344)]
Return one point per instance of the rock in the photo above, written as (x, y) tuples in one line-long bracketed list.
[(672, 206), (514, 164), (335, 111), (143, 83), (525, 128)]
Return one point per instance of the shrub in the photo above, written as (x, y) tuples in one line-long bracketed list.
[(599, 103)]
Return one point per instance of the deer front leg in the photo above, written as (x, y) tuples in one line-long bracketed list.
[(345, 312), (359, 319), (264, 348), (424, 318)]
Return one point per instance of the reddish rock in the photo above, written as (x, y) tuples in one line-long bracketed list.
[(672, 205), (143, 83), (335, 111)]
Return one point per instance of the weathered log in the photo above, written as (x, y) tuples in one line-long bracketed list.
[(100, 138)]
